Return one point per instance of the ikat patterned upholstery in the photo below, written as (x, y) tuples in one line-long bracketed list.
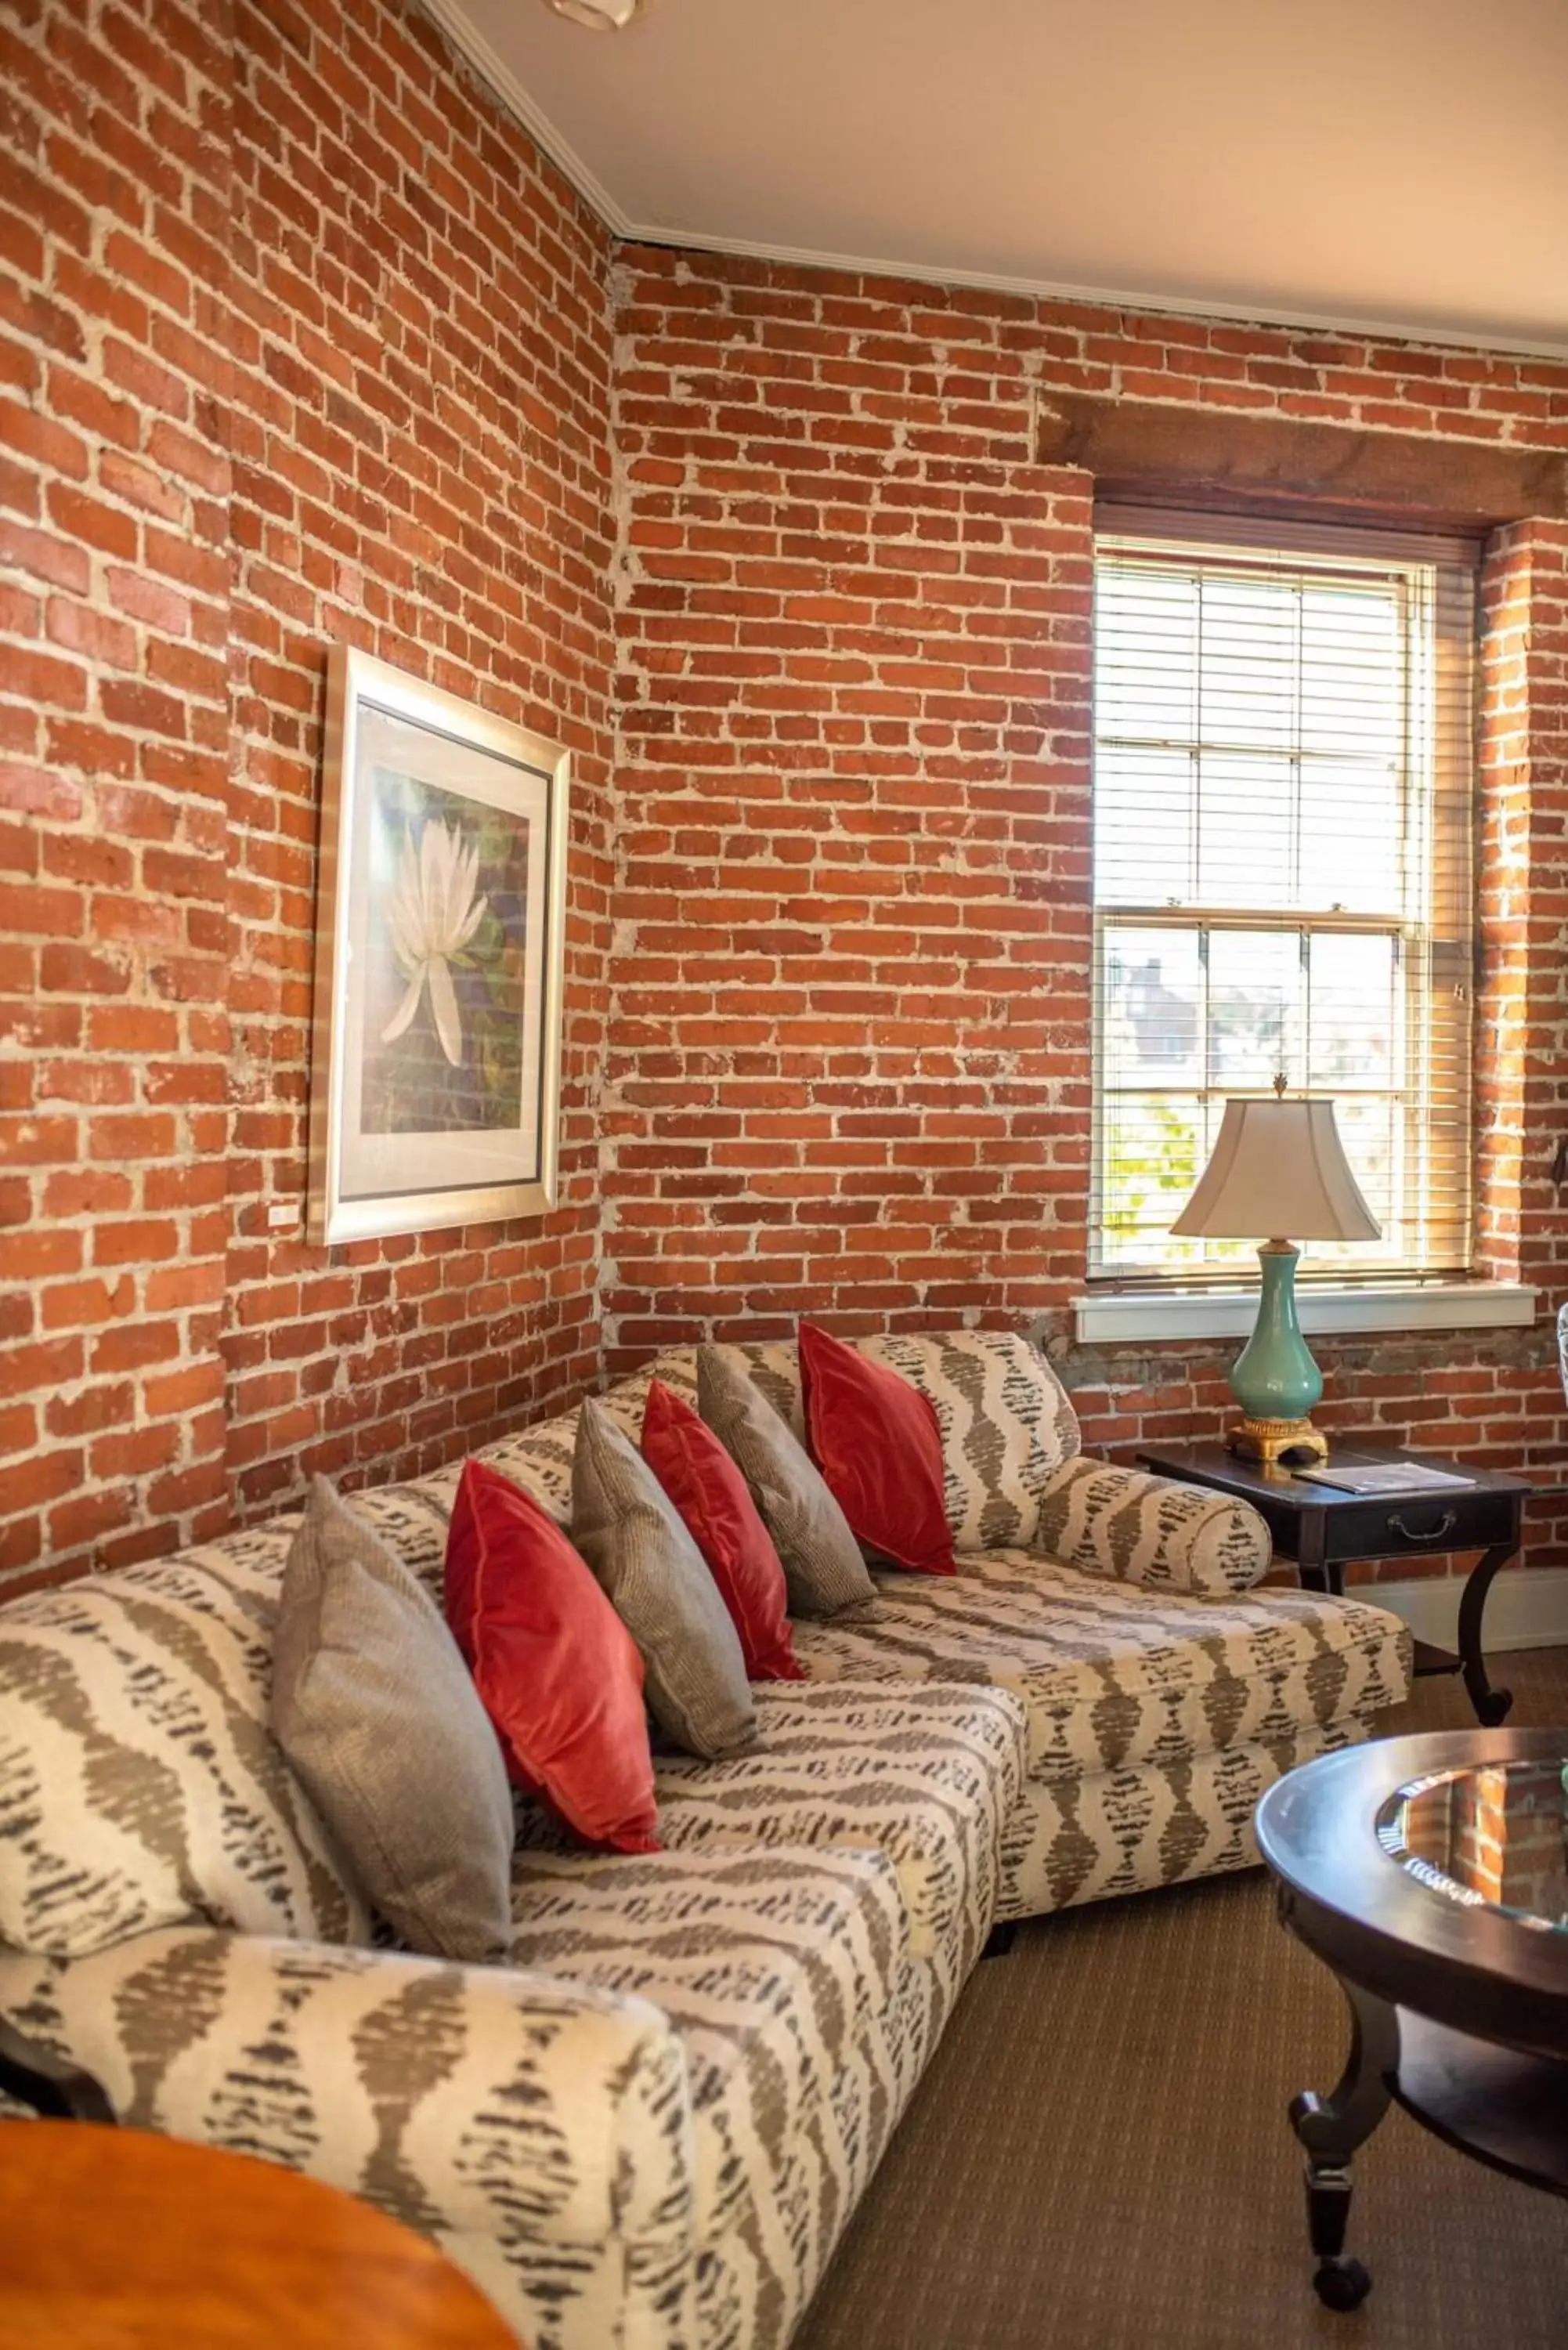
[(649, 2127), (139, 1783), (1148, 1824), (1110, 1674), (777, 1971), (1103, 1519), (780, 1948), (1007, 1426), (925, 1773), (539, 2130)]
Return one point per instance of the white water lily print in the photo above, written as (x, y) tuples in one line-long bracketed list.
[(432, 913), (446, 994)]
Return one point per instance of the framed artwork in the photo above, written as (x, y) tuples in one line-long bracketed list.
[(436, 1057)]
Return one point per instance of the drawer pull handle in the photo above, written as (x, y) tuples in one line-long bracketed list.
[(1444, 1525)]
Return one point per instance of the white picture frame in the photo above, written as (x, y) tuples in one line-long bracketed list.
[(440, 912)]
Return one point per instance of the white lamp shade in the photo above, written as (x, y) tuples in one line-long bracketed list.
[(1278, 1173)]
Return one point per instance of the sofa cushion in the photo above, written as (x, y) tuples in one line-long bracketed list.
[(821, 1559), (1110, 1674), (139, 1783), (555, 1669), (875, 1439), (413, 1521), (929, 1784), (374, 1708), (925, 1776), (779, 1970), (658, 1582)]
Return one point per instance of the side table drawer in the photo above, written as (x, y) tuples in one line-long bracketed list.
[(1414, 1522)]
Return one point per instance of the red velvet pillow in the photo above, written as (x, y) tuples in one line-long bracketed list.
[(722, 1518), (555, 1669), (875, 1440)]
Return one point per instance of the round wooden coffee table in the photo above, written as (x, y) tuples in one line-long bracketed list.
[(117, 2239), (1431, 1874)]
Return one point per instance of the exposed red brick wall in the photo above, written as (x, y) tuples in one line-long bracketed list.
[(422, 467), (114, 479), (853, 986), (850, 1034), (300, 341)]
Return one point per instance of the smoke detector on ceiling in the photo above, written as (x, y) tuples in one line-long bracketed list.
[(597, 16)]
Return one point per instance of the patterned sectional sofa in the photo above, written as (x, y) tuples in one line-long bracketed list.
[(649, 2130)]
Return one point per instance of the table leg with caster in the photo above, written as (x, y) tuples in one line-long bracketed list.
[(1491, 1705), (1331, 2128)]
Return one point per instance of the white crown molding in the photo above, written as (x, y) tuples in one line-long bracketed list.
[(487, 62), (492, 68), (1251, 314)]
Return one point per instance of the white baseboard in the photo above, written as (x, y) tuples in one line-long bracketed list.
[(1527, 1607)]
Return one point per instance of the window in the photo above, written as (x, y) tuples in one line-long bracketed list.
[(1282, 872)]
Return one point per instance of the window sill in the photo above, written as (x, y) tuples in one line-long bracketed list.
[(1131, 1317)]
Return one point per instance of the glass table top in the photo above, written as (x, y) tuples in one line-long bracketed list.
[(1493, 1835)]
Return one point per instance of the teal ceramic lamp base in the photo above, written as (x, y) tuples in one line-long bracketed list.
[(1277, 1164), (1274, 1378)]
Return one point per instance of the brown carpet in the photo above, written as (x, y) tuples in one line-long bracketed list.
[(1099, 2157)]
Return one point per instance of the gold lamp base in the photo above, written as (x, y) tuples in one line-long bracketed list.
[(1271, 1440)]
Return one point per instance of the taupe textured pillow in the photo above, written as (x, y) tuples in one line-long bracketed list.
[(823, 1569), (373, 1706), (658, 1582)]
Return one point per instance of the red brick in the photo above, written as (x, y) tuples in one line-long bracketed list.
[(92, 521), (42, 678), (45, 554), (94, 633)]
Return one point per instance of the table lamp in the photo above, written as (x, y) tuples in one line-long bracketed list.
[(1278, 1166)]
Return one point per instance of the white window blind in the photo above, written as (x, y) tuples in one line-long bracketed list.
[(1283, 863)]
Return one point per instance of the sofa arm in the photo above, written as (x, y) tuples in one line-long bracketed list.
[(492, 2109), (1107, 1520)]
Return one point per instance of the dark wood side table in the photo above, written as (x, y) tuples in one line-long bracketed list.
[(118, 2239), (1324, 1531)]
